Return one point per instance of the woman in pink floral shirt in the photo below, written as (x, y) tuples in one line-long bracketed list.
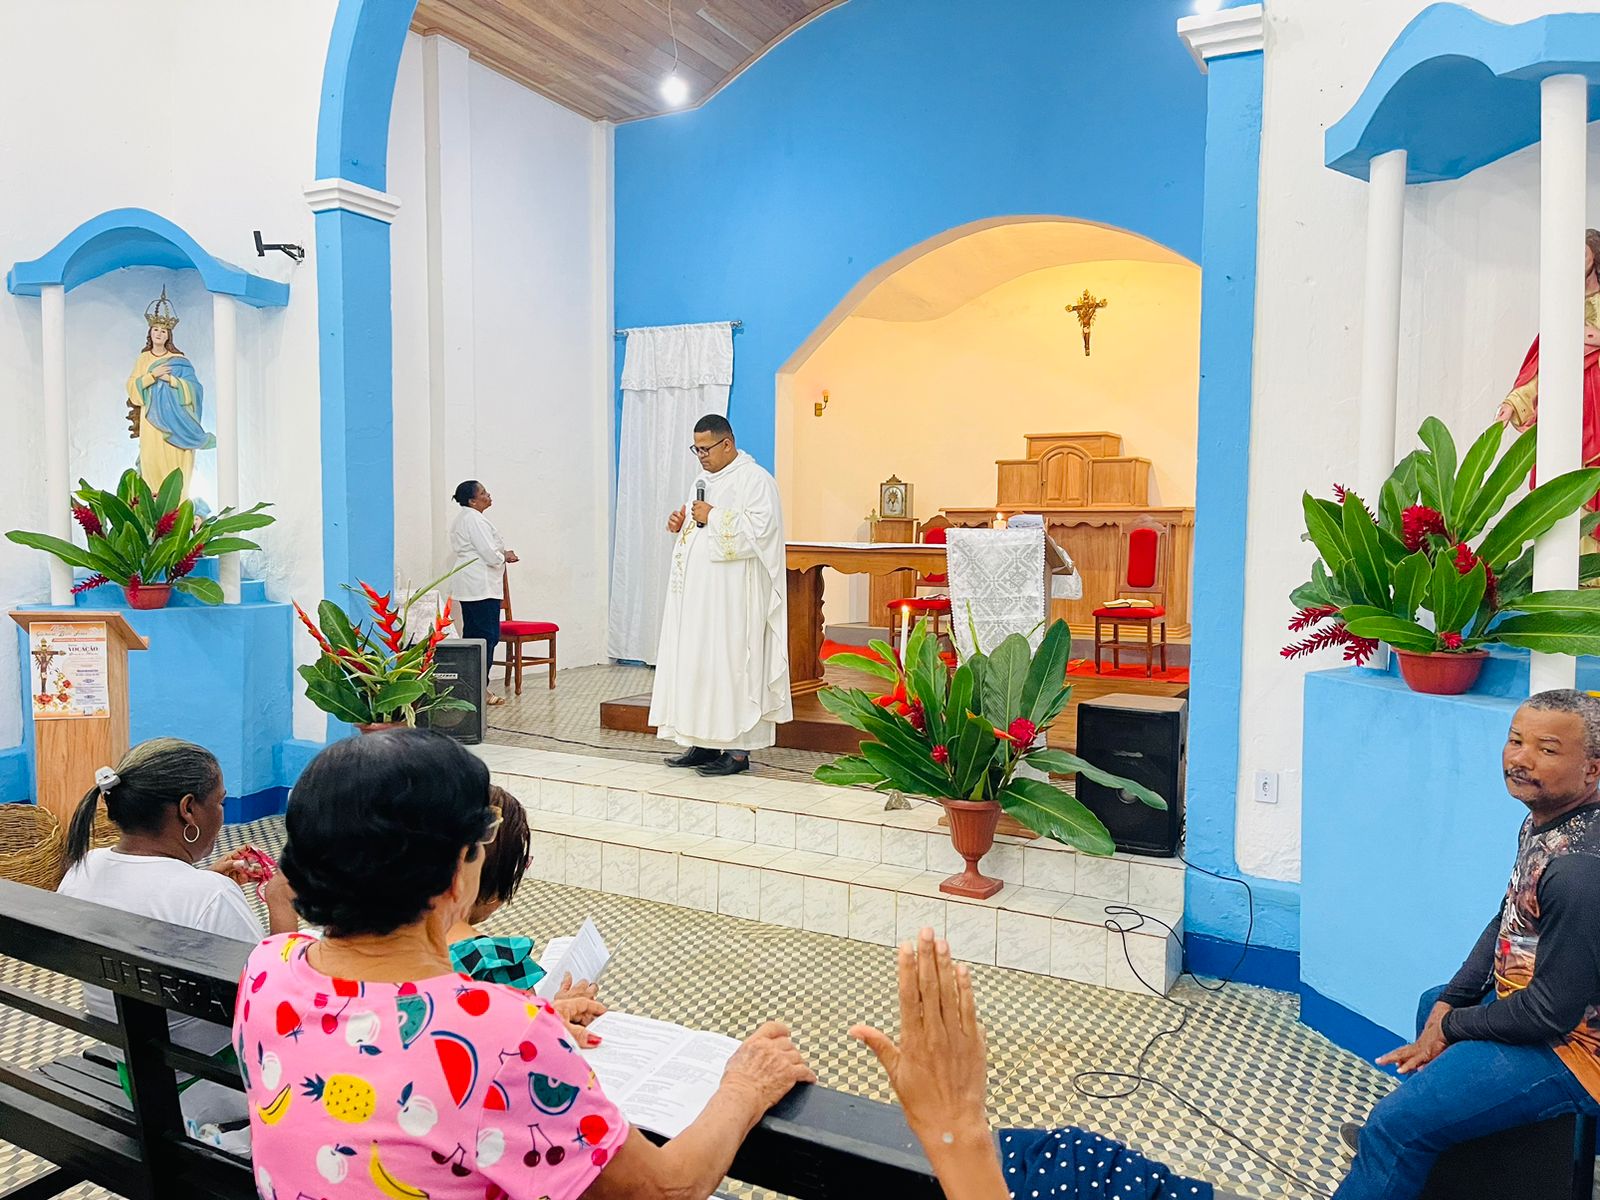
[(375, 1070)]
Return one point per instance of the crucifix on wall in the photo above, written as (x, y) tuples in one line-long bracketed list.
[(1086, 308)]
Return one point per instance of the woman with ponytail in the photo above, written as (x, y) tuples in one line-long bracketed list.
[(165, 798)]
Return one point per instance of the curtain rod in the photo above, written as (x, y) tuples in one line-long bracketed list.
[(639, 328)]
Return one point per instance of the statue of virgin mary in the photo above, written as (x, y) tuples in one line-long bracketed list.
[(166, 390)]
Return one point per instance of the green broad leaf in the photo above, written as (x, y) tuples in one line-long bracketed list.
[(1591, 522), (1509, 474), (1370, 622), (1577, 600), (207, 591), (171, 493), (1394, 550), (1588, 567), (849, 705), (974, 752), (849, 772), (397, 694), (115, 514), (928, 688), (1046, 672), (1060, 762), (1464, 598), (915, 641), (1474, 467), (346, 703), (1326, 530), (1371, 568), (1516, 580), (958, 701), (69, 553), (1411, 580), (866, 664), (226, 545), (1550, 632), (1052, 813), (238, 523), (336, 627), (1004, 678), (885, 652), (447, 704), (1399, 491), (1536, 513), (925, 778)]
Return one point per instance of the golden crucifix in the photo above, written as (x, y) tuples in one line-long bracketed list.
[(1086, 307)]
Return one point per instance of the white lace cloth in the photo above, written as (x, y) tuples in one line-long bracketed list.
[(996, 585)]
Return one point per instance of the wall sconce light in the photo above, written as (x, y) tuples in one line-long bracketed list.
[(1086, 308), (821, 405)]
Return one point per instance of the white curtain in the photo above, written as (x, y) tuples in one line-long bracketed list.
[(672, 375)]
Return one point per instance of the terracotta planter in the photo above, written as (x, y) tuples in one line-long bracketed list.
[(148, 595), (1441, 674), (972, 826), (380, 726)]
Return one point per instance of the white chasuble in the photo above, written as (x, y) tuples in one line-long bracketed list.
[(722, 670)]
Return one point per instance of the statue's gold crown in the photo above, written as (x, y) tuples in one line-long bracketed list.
[(160, 313)]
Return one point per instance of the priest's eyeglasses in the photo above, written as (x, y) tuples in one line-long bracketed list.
[(701, 452)]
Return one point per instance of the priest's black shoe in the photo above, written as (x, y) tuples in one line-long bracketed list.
[(694, 756), (726, 764)]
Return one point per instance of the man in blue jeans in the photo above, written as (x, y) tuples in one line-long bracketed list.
[(1514, 1038)]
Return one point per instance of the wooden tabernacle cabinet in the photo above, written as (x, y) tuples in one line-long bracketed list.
[(884, 590), (1073, 470)]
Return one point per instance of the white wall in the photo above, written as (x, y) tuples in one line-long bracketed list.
[(526, 395), (1469, 311), (1006, 364), (223, 154)]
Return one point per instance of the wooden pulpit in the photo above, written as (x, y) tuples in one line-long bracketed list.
[(76, 664)]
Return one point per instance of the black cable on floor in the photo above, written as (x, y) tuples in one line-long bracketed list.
[(1138, 1077)]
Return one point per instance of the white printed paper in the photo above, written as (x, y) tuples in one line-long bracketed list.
[(660, 1075), (584, 957)]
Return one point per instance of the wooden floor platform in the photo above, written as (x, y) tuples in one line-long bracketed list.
[(815, 728)]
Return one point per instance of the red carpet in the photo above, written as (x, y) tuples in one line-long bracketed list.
[(1078, 666)]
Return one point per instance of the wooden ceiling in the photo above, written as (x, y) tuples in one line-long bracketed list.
[(606, 58)]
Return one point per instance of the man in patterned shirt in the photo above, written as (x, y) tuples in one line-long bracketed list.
[(1514, 1038)]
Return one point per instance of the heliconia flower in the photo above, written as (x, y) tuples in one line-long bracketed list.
[(313, 630), (89, 584), (388, 617), (440, 631), (186, 564), (353, 661), (1450, 641), (1416, 523), (165, 524), (84, 516), (940, 754)]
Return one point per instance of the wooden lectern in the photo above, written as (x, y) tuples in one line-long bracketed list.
[(76, 664)]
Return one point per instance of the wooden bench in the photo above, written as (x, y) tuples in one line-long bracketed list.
[(817, 1144)]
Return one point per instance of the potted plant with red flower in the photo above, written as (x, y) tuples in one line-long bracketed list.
[(961, 738), (372, 677), (148, 542), (1435, 548)]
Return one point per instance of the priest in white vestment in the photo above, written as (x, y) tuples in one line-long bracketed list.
[(722, 671)]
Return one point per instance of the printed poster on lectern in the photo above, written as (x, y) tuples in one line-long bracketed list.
[(70, 677)]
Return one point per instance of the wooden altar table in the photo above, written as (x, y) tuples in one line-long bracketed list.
[(806, 561)]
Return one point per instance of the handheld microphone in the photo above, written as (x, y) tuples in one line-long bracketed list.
[(700, 496)]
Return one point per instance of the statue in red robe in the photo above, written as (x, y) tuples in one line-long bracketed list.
[(1521, 408)]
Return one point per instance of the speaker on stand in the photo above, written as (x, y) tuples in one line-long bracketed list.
[(1142, 738), (459, 673)]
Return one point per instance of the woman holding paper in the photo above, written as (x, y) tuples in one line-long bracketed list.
[(365, 1053)]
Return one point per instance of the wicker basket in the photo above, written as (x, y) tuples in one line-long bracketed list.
[(32, 849)]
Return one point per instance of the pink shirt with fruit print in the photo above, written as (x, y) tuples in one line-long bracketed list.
[(442, 1089)]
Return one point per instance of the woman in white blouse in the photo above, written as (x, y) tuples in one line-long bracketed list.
[(480, 586)]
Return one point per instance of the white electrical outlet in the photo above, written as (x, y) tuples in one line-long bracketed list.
[(1266, 787)]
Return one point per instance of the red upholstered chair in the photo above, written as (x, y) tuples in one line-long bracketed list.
[(514, 635), (1146, 549), (935, 608)]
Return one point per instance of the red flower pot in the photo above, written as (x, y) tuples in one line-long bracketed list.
[(972, 825), (380, 726), (148, 595), (1441, 673)]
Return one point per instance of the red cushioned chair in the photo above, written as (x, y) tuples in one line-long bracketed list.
[(514, 635), (1146, 547), (935, 608)]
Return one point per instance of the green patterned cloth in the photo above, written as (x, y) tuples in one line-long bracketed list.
[(507, 960)]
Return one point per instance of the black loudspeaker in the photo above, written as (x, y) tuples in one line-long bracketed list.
[(1510, 1163), (459, 673), (1142, 738)]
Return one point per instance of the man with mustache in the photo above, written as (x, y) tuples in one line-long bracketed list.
[(1514, 1038)]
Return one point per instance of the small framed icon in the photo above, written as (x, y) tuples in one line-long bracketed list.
[(894, 498)]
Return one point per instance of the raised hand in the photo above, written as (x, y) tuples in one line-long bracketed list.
[(675, 521)]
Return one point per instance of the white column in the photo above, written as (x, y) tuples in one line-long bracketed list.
[(57, 468), (1380, 325), (225, 333), (1562, 192)]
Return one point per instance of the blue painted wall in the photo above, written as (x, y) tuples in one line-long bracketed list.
[(882, 124)]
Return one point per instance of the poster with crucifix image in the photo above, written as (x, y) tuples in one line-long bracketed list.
[(69, 676)]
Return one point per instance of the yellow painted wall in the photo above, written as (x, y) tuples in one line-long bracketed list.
[(937, 402)]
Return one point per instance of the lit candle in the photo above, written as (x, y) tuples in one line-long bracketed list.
[(999, 520), (905, 631)]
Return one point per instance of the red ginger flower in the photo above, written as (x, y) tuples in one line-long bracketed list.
[(1340, 491), (1450, 641), (165, 524), (1356, 649), (1416, 523), (1021, 732), (895, 701), (940, 754), (1307, 617), (134, 584), (84, 516), (1466, 560), (917, 717), (89, 584), (186, 564)]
